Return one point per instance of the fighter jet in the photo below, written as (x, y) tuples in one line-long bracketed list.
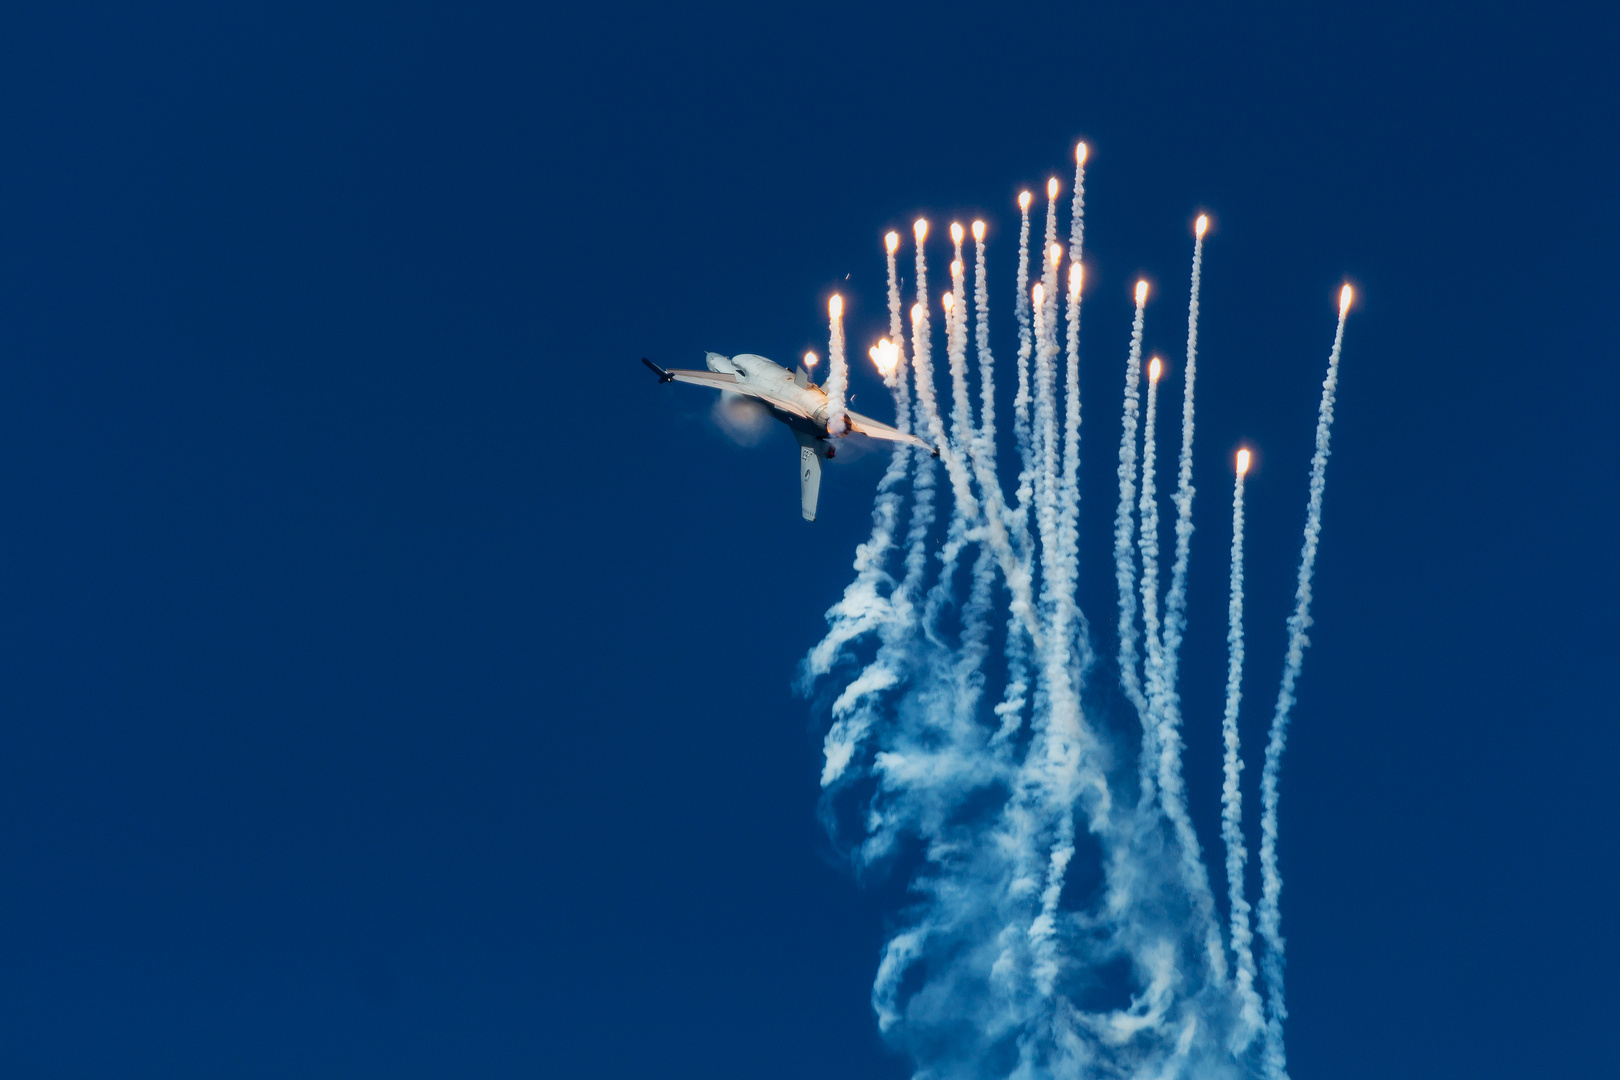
[(793, 399)]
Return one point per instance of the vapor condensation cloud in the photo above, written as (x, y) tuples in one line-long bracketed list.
[(743, 419)]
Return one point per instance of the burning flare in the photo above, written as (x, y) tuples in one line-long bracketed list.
[(1023, 200), (886, 356), (1141, 293), (1242, 462), (1080, 154), (920, 228), (835, 306), (1039, 294), (978, 231), (810, 360), (1077, 275), (1202, 226), (956, 232), (1055, 253), (916, 313), (892, 242), (1344, 300), (949, 300), (1155, 369), (1052, 188)]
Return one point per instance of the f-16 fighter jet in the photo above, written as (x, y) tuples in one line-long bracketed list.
[(793, 399)]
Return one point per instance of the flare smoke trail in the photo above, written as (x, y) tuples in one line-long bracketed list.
[(1148, 544), (863, 608), (956, 466), (1021, 401), (1175, 604), (1124, 529), (961, 423), (956, 337), (1270, 915), (1237, 855), (975, 613), (1077, 209), (1163, 697), (981, 346), (1026, 949), (837, 368), (1010, 709), (1069, 503), (897, 336), (1045, 446), (1069, 489)]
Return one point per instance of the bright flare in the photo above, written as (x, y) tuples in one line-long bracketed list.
[(956, 267), (1039, 293), (835, 306), (956, 232), (916, 313), (892, 242), (1203, 224), (978, 231), (920, 227), (1344, 301), (1023, 200), (809, 360), (885, 355), (1055, 253), (1243, 462), (1051, 188), (1141, 293), (1155, 369), (949, 300), (1080, 154), (1077, 274)]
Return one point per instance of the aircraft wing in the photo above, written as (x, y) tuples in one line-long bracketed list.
[(874, 429), (719, 380), (725, 380)]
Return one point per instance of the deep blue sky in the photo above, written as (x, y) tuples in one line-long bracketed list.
[(395, 682)]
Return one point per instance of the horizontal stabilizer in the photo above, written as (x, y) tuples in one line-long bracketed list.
[(663, 376)]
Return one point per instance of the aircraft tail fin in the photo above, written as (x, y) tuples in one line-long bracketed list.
[(809, 474)]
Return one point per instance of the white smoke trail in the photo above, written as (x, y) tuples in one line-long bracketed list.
[(1237, 854), (1077, 209), (897, 335), (1045, 424), (865, 607), (1021, 401), (1124, 549), (981, 346), (1270, 915), (1010, 710), (1148, 547), (1175, 605), (961, 429), (928, 420), (1163, 650), (837, 368), (1069, 489), (956, 337), (956, 468), (1070, 509)]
